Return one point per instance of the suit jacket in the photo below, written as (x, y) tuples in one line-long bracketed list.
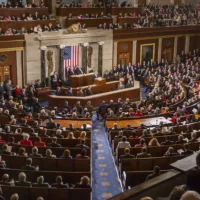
[(23, 183)]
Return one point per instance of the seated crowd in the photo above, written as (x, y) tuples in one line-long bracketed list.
[(21, 4)]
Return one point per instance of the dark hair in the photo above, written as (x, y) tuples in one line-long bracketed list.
[(124, 138), (83, 152)]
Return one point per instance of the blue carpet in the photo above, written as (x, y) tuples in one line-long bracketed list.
[(142, 90), (105, 180)]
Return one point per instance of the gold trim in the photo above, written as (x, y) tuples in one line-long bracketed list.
[(149, 44), (11, 49)]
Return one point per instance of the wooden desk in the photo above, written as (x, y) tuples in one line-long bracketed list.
[(89, 22), (27, 24), (17, 12), (116, 11), (78, 11), (96, 89), (96, 100), (128, 20), (99, 81), (80, 80), (136, 122), (76, 123)]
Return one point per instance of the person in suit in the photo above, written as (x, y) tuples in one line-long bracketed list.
[(82, 155), (22, 180), (181, 140), (69, 92), (126, 154), (5, 150), (66, 106), (143, 153), (193, 137), (88, 91), (124, 143), (29, 166), (187, 151), (5, 180), (84, 183), (55, 80), (1, 90), (59, 183), (40, 182), (36, 16), (50, 124), (170, 152), (82, 145), (156, 172), (8, 88), (35, 153), (54, 143)]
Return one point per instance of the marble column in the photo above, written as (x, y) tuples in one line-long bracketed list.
[(187, 43), (61, 69), (115, 54), (134, 51), (159, 49), (43, 65), (20, 79), (100, 59), (175, 48), (84, 57)]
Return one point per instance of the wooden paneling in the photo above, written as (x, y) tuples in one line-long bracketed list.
[(78, 11), (181, 45), (19, 11), (128, 20), (27, 24), (167, 48), (150, 41), (194, 43), (11, 61), (116, 11), (154, 32), (89, 22), (125, 47)]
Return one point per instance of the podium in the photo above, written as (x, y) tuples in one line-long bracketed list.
[(81, 80), (99, 81)]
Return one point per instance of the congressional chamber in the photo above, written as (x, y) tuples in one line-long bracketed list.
[(99, 100)]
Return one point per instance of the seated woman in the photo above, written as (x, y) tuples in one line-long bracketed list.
[(38, 142), (142, 143), (70, 136), (26, 141), (154, 143), (59, 134), (82, 136), (49, 154), (120, 86), (66, 154), (22, 152), (84, 183)]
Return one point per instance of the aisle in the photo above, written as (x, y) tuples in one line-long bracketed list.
[(105, 181)]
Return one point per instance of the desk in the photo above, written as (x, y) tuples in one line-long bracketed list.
[(17, 12), (80, 80), (27, 24), (136, 122), (79, 11), (116, 11), (128, 20), (77, 123), (96, 100), (89, 22), (99, 81)]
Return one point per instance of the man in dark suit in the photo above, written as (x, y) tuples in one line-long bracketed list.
[(5, 180), (126, 154), (59, 183), (88, 91), (156, 172), (82, 145), (22, 180), (36, 16), (8, 88), (1, 90), (40, 182), (29, 166), (69, 92), (66, 106), (55, 80), (54, 143), (51, 124)]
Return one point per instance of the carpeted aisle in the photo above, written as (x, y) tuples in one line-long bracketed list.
[(105, 180)]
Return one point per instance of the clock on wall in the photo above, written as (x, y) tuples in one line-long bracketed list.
[(125, 46), (3, 58)]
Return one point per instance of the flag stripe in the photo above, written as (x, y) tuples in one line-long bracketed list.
[(71, 56)]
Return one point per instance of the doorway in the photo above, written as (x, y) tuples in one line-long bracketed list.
[(5, 73), (124, 58)]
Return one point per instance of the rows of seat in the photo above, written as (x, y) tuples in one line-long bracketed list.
[(157, 151), (47, 193), (64, 142), (49, 164)]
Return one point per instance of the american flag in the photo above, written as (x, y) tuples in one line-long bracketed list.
[(71, 56)]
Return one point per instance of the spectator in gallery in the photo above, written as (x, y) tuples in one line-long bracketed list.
[(26, 141), (59, 183), (66, 154), (29, 166), (80, 93), (127, 154), (84, 183), (83, 155), (120, 86), (88, 91), (49, 154), (35, 153), (40, 182), (144, 153), (22, 180), (54, 143), (124, 143), (69, 92)]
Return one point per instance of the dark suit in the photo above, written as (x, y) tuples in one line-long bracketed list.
[(23, 183), (56, 185), (28, 167)]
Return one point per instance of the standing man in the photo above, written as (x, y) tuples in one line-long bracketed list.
[(55, 80), (8, 88)]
